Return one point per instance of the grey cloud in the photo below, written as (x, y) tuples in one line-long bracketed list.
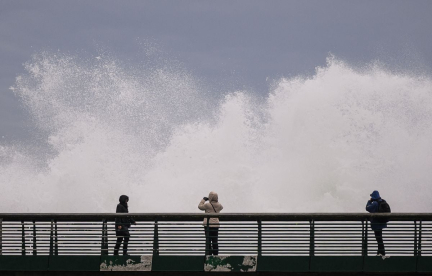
[(233, 44)]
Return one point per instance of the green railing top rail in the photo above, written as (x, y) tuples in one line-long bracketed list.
[(224, 216)]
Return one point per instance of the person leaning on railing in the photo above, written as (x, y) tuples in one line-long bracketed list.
[(122, 225), (212, 228), (378, 205)]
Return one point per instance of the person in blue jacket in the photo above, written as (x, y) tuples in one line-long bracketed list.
[(377, 225)]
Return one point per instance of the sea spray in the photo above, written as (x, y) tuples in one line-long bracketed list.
[(315, 144)]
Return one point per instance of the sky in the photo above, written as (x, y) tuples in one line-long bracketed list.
[(229, 45)]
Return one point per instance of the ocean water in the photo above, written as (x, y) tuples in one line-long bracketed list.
[(319, 143)]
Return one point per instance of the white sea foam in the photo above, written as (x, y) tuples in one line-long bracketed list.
[(316, 144)]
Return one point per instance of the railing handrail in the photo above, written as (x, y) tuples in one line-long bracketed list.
[(222, 216)]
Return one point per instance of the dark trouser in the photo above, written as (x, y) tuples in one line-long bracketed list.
[(211, 234), (379, 239), (122, 234)]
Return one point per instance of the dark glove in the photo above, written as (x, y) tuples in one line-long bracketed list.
[(205, 198)]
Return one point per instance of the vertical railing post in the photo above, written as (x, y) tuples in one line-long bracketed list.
[(23, 250), (34, 238), (415, 238), (419, 247), (1, 236), (55, 238), (51, 238), (104, 242), (259, 237), (364, 237), (156, 239), (312, 238)]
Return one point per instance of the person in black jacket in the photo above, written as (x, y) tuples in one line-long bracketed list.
[(122, 225)]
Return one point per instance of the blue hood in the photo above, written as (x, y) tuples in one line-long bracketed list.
[(375, 195)]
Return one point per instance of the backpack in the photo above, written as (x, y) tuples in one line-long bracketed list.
[(383, 207)]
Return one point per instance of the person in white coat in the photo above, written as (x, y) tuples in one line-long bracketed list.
[(211, 204)]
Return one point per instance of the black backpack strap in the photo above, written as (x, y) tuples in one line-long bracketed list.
[(213, 207), (379, 205)]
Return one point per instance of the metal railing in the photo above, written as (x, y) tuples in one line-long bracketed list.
[(239, 234)]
